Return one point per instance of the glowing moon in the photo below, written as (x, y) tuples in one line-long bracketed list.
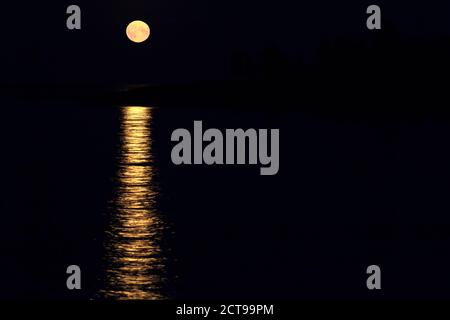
[(138, 31)]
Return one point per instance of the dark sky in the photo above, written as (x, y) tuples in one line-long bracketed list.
[(190, 40)]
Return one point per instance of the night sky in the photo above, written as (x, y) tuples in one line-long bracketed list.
[(191, 40)]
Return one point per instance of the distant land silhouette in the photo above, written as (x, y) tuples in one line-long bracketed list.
[(383, 74)]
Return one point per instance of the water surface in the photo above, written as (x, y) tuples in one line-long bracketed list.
[(134, 258)]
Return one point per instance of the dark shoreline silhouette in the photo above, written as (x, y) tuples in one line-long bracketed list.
[(378, 73), (392, 93)]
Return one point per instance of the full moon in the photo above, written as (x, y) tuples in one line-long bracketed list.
[(138, 31)]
